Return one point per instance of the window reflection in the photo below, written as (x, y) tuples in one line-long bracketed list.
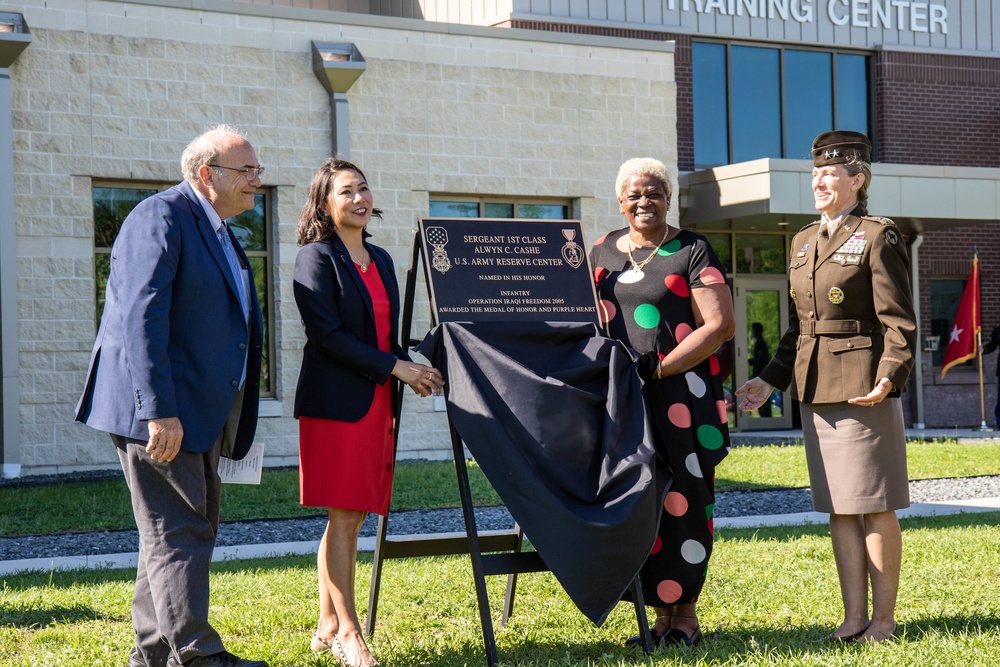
[(542, 211), (756, 118), (754, 102), (852, 92), (496, 210), (454, 209), (760, 254), (442, 208), (711, 104), (720, 244), (808, 100), (946, 294)]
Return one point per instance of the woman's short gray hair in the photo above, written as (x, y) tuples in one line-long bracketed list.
[(642, 166), (204, 150)]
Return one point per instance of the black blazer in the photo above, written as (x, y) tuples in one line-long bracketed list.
[(341, 362)]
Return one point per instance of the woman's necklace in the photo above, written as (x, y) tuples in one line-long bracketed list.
[(637, 266), (364, 267)]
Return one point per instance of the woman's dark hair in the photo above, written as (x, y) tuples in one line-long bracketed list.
[(315, 223)]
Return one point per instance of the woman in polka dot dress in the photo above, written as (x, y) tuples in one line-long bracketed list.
[(663, 293)]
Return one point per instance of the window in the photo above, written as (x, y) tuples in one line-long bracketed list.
[(721, 245), (112, 204), (475, 207), (761, 253), (946, 295), (753, 102)]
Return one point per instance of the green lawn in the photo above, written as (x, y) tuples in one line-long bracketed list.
[(771, 594), (784, 466), (104, 505)]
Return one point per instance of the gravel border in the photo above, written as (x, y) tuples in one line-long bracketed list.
[(268, 531)]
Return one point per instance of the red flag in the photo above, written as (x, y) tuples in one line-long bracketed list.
[(962, 344)]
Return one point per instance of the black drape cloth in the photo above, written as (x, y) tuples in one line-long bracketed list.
[(554, 416)]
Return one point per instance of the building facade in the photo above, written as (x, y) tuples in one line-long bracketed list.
[(104, 97), (758, 79), (506, 108)]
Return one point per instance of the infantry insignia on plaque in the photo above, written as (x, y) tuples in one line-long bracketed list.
[(836, 295)]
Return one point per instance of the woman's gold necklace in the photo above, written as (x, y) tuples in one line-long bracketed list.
[(637, 266), (364, 267)]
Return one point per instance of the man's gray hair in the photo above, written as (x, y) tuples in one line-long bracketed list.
[(204, 150)]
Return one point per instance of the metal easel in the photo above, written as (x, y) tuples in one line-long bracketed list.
[(492, 553)]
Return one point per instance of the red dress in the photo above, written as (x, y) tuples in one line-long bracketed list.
[(348, 465)]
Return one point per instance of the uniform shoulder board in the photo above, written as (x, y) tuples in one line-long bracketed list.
[(889, 228)]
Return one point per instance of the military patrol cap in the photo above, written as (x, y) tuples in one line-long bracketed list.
[(840, 146)]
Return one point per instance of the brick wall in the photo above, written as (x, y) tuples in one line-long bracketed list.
[(114, 92), (682, 73), (947, 253), (936, 109)]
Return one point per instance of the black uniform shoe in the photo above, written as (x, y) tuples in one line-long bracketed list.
[(675, 637), (224, 659), (636, 640)]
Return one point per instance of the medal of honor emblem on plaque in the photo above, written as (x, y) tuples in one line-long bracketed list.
[(438, 238)]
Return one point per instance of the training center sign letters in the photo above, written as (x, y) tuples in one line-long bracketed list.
[(481, 270)]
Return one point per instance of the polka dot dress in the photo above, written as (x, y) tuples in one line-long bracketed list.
[(651, 310)]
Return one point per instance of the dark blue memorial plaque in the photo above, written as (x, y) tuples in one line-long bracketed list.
[(481, 270)]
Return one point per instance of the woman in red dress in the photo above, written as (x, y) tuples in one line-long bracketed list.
[(346, 292)]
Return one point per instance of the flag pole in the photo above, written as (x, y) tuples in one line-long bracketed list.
[(979, 355), (982, 400)]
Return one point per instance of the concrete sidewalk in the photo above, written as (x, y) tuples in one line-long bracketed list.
[(245, 551), (785, 436)]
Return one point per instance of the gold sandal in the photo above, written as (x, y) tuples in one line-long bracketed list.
[(318, 644), (338, 650)]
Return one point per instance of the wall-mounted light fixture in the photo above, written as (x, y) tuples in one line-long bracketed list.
[(14, 37), (11, 22), (338, 65)]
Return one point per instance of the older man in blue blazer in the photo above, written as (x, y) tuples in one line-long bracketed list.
[(173, 378)]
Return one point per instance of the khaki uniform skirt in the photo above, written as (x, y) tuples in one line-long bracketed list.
[(856, 457)]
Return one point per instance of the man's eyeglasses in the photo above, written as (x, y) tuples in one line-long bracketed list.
[(248, 172)]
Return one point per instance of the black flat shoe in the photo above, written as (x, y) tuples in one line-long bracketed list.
[(834, 639), (636, 640), (675, 637)]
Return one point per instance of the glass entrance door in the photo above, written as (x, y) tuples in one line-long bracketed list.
[(761, 304)]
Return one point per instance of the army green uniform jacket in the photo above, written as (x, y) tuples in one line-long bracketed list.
[(851, 321)]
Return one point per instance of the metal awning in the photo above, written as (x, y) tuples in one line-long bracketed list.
[(775, 195)]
